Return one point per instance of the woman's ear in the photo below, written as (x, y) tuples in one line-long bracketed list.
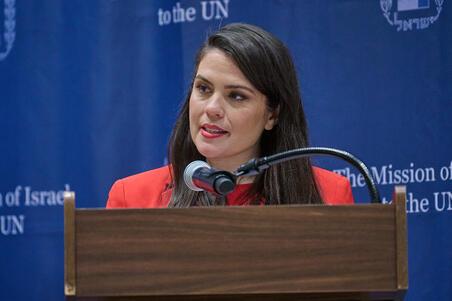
[(272, 119)]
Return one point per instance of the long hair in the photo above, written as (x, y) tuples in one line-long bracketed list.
[(267, 64)]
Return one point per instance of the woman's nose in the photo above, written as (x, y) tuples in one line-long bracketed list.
[(214, 107)]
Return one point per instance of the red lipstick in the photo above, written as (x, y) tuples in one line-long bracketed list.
[(212, 131)]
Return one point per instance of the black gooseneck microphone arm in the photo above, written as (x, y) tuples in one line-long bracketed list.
[(256, 166)]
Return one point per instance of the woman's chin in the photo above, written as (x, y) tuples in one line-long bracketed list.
[(211, 153)]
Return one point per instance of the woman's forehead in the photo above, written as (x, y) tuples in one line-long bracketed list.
[(217, 66)]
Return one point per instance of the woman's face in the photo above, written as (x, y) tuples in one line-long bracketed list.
[(227, 114)]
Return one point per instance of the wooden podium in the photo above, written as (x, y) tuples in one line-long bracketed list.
[(313, 252)]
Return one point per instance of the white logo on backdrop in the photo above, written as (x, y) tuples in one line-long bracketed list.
[(408, 15), (9, 30)]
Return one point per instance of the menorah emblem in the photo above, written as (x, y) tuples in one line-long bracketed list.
[(9, 30)]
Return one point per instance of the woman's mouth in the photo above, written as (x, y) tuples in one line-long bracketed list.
[(212, 131)]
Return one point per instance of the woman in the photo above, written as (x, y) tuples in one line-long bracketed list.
[(243, 103)]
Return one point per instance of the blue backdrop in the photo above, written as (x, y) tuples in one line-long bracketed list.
[(89, 91)]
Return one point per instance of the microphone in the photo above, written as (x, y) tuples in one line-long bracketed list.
[(256, 166), (199, 176)]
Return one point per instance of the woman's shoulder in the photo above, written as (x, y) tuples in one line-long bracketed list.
[(143, 190), (155, 175), (334, 188)]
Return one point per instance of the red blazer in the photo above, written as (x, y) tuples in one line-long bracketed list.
[(150, 189)]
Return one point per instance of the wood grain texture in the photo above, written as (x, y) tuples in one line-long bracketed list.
[(251, 252), (401, 234), (338, 296), (69, 243)]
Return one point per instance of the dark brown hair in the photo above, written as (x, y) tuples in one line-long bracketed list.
[(267, 64)]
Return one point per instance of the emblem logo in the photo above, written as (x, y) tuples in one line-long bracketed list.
[(9, 30), (408, 15)]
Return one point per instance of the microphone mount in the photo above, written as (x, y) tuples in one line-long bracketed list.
[(256, 166)]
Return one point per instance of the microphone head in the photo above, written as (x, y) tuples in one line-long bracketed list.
[(190, 170), (224, 185)]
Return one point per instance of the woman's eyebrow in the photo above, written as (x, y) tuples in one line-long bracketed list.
[(203, 79), (227, 86), (239, 87)]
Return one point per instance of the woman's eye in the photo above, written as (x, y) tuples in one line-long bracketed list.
[(237, 96), (202, 88)]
